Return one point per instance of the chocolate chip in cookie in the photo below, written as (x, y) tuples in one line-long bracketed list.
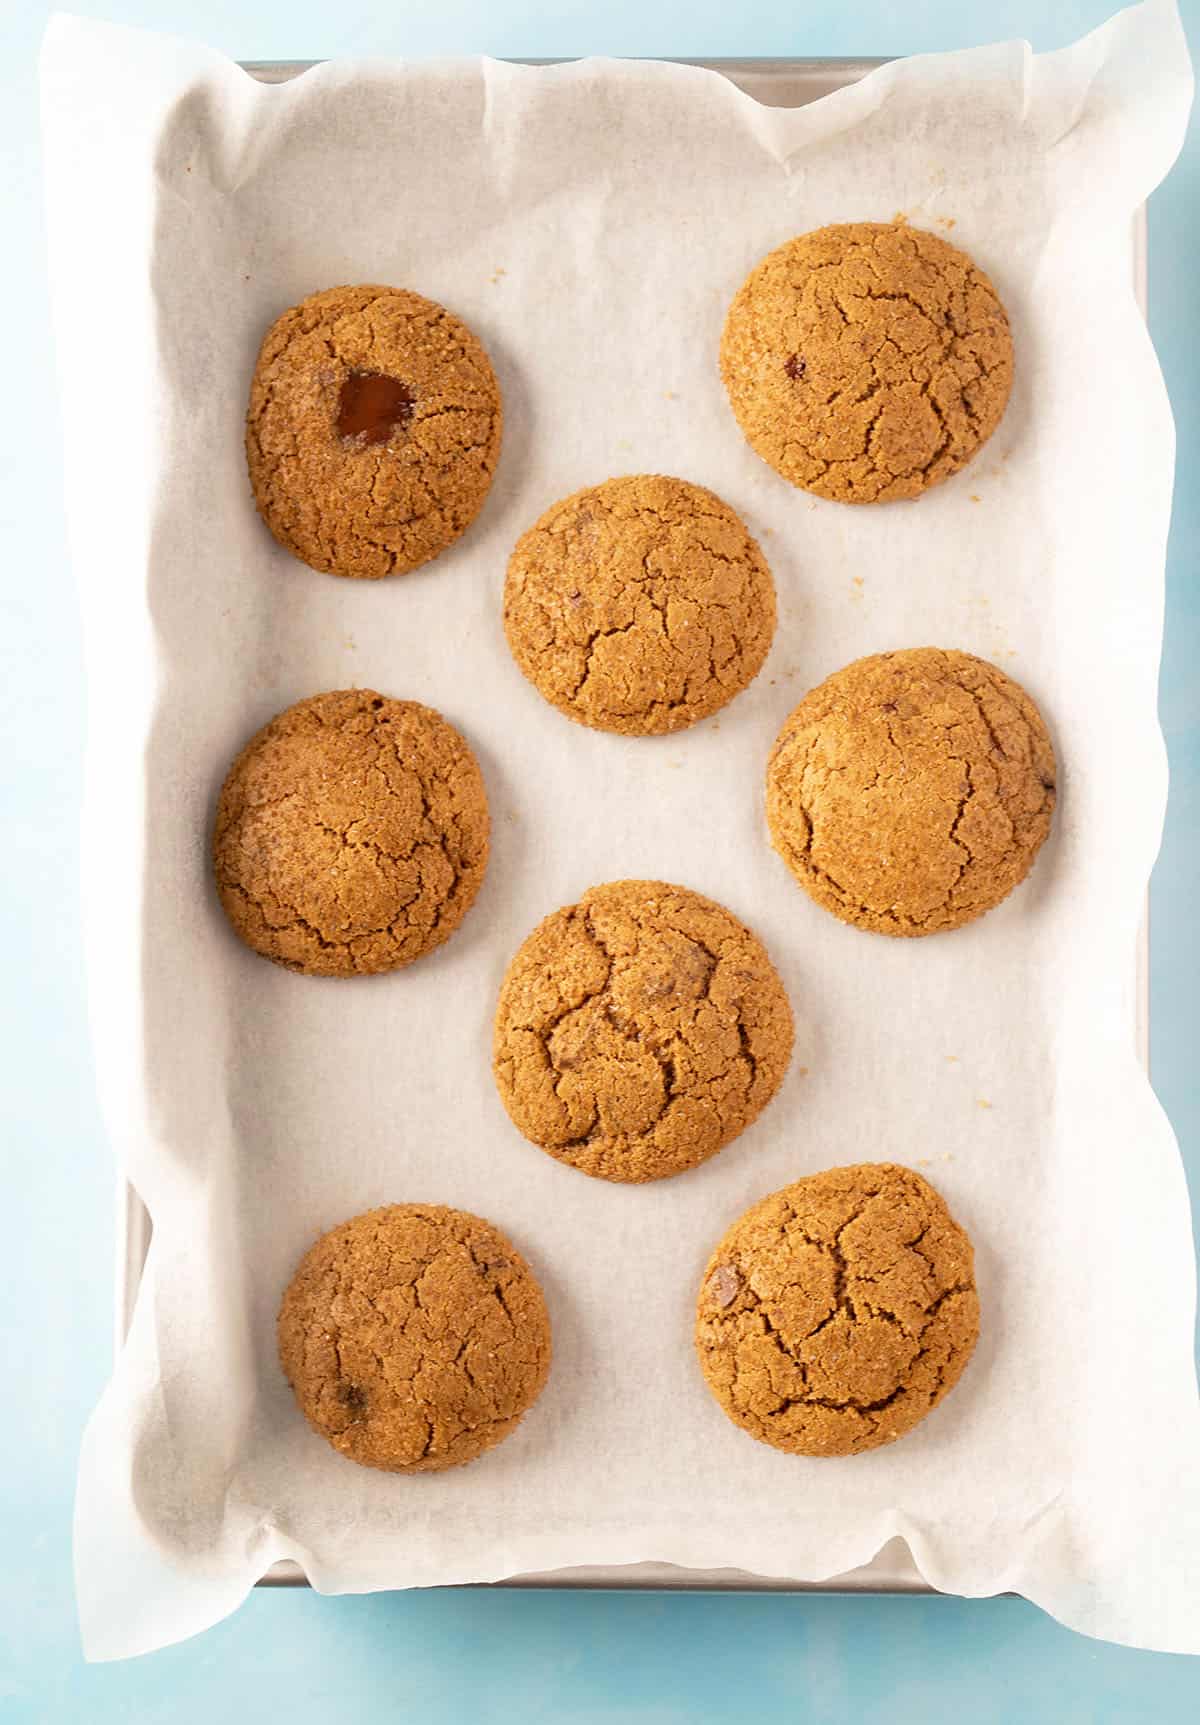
[(373, 430)]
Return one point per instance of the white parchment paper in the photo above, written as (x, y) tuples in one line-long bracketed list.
[(591, 223)]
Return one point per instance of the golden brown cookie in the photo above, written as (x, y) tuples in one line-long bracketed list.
[(867, 361), (836, 1313), (639, 605), (415, 1337), (351, 834), (373, 430), (911, 791), (639, 1030)]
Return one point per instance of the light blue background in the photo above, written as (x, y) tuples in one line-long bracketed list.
[(484, 1656)]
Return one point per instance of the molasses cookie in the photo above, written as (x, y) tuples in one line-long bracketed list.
[(867, 361), (373, 430), (351, 834), (836, 1313), (415, 1337), (639, 1030), (639, 605), (911, 791)]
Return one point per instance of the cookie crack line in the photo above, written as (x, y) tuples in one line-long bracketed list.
[(808, 328), (367, 507), (852, 905), (398, 1361), (638, 1031), (967, 790), (882, 1403), (795, 1342), (842, 1303), (640, 605), (351, 835), (659, 1042), (709, 669), (845, 893)]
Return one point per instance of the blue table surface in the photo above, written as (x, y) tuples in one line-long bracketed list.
[(478, 1654)]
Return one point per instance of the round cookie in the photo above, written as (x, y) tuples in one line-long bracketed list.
[(415, 1337), (639, 605), (911, 791), (373, 430), (867, 361), (639, 1030), (351, 834), (836, 1313)]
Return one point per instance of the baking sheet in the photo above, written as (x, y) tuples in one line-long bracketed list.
[(253, 1109), (777, 83)]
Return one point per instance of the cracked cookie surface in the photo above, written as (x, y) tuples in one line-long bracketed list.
[(837, 1312), (911, 791), (639, 1031), (639, 605), (351, 834), (414, 1337), (373, 430), (867, 361)]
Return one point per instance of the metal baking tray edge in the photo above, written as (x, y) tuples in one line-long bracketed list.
[(784, 83)]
